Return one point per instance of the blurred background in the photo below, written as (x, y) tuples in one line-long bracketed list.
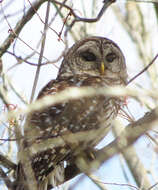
[(132, 25)]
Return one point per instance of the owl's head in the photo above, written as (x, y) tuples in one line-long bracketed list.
[(95, 56)]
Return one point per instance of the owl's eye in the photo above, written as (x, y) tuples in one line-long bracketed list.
[(110, 57), (88, 56)]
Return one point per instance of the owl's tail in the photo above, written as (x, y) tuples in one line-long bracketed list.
[(55, 178)]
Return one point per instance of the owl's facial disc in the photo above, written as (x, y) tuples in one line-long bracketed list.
[(106, 63), (109, 58), (91, 60), (88, 56), (95, 56)]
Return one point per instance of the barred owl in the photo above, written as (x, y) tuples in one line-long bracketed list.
[(81, 123)]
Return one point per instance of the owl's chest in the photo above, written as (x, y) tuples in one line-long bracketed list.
[(88, 113), (78, 115), (85, 114)]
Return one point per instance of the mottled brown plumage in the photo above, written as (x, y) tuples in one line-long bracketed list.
[(94, 62)]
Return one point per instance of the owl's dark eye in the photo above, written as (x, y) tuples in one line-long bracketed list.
[(110, 57), (88, 56)]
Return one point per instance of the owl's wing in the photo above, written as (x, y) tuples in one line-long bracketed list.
[(47, 164), (73, 116), (45, 118)]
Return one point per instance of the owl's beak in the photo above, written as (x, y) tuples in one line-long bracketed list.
[(102, 68)]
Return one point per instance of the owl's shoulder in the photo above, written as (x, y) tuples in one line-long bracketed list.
[(57, 85), (54, 86)]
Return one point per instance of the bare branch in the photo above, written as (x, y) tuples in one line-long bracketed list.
[(7, 163), (5, 178), (145, 69), (41, 53), (134, 162), (76, 93), (19, 26), (121, 144), (131, 133)]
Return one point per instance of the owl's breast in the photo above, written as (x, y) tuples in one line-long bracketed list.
[(79, 115), (87, 115)]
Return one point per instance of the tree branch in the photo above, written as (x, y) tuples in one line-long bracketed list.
[(5, 178), (134, 163), (19, 26), (131, 133), (121, 144), (7, 163)]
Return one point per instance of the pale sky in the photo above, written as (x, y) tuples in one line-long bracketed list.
[(22, 76)]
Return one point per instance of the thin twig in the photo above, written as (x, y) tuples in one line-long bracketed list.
[(77, 18), (153, 186), (19, 26), (41, 53), (145, 1), (119, 184), (146, 68), (5, 178), (98, 182), (41, 19)]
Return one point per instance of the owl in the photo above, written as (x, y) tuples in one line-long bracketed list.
[(81, 123)]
